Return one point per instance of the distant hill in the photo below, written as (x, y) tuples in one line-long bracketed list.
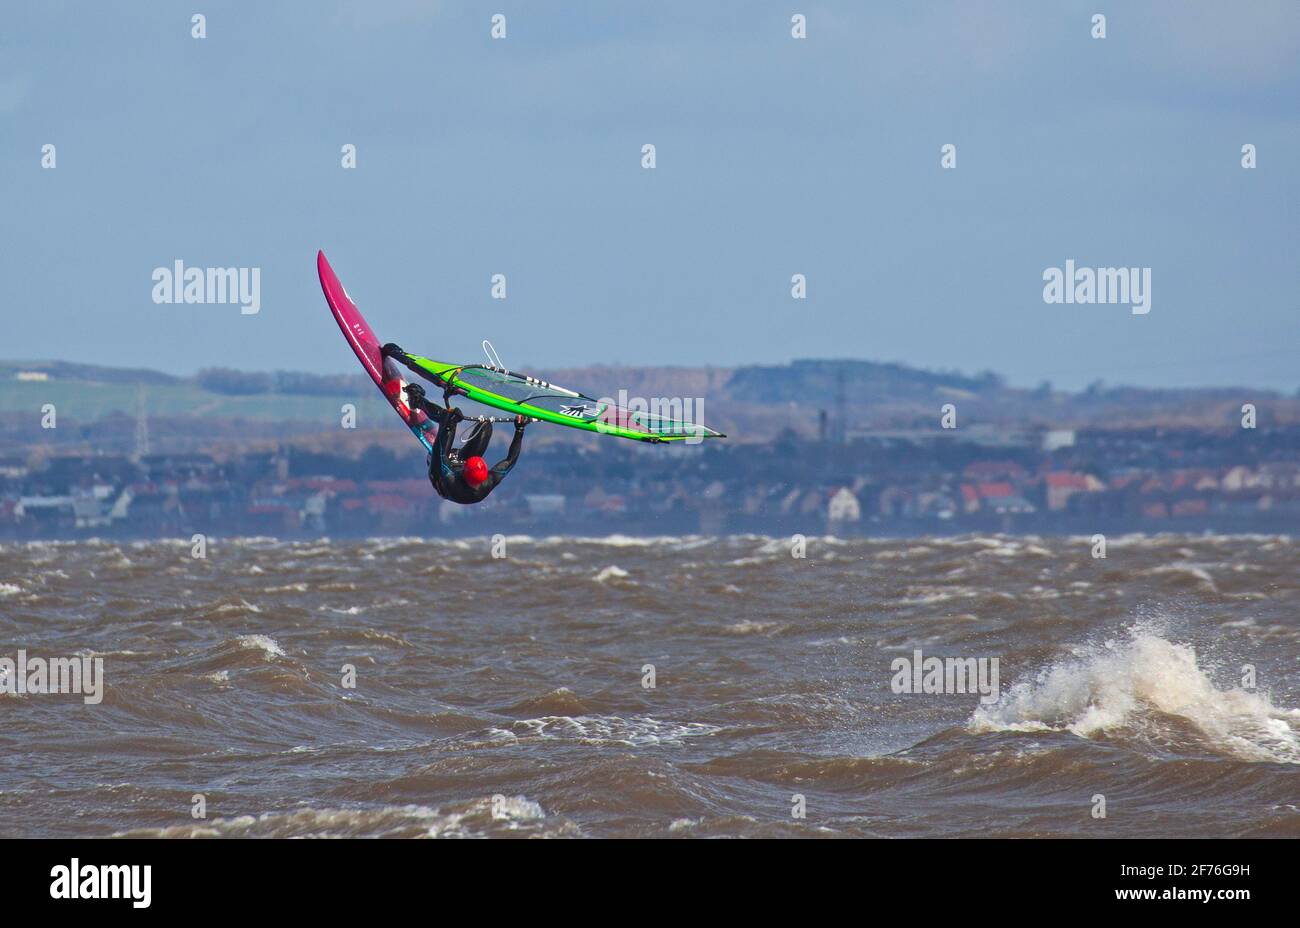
[(92, 373), (749, 403), (863, 381)]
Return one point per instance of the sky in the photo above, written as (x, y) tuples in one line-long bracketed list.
[(775, 156)]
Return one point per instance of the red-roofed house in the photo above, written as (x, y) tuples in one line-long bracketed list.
[(388, 503), (1061, 485), (991, 470), (414, 488)]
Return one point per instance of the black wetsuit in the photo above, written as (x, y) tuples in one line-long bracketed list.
[(447, 464)]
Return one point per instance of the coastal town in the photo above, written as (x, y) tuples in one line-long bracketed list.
[(1053, 481)]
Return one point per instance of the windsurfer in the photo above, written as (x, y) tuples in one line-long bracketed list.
[(460, 474)]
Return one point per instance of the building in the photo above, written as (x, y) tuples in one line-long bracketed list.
[(1061, 485), (843, 506)]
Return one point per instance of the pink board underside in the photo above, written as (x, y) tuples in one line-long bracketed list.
[(364, 342)]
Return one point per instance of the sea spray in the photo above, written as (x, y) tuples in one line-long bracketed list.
[(1121, 684)]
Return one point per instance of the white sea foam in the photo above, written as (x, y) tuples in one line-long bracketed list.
[(301, 823), (1195, 571), (264, 643), (628, 541), (1121, 683), (242, 606), (612, 572), (608, 729), (748, 627), (475, 818)]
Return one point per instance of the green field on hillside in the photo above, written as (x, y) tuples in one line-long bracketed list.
[(86, 401)]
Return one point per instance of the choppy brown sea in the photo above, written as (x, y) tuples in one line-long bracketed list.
[(662, 687)]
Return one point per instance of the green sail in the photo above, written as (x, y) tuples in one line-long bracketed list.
[(530, 396)]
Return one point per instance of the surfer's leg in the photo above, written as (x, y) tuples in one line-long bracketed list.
[(477, 441), (435, 475)]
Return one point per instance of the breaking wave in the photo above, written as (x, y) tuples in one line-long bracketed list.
[(1146, 686)]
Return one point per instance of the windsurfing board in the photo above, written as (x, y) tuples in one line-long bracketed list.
[(385, 372)]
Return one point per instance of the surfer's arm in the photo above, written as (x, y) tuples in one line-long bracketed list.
[(435, 412), (416, 398), (501, 469), (397, 354)]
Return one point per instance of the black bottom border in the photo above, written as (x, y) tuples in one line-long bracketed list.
[(331, 877)]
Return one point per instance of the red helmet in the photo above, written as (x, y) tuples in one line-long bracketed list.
[(476, 471)]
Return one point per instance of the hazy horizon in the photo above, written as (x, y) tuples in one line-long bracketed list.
[(1008, 382)]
